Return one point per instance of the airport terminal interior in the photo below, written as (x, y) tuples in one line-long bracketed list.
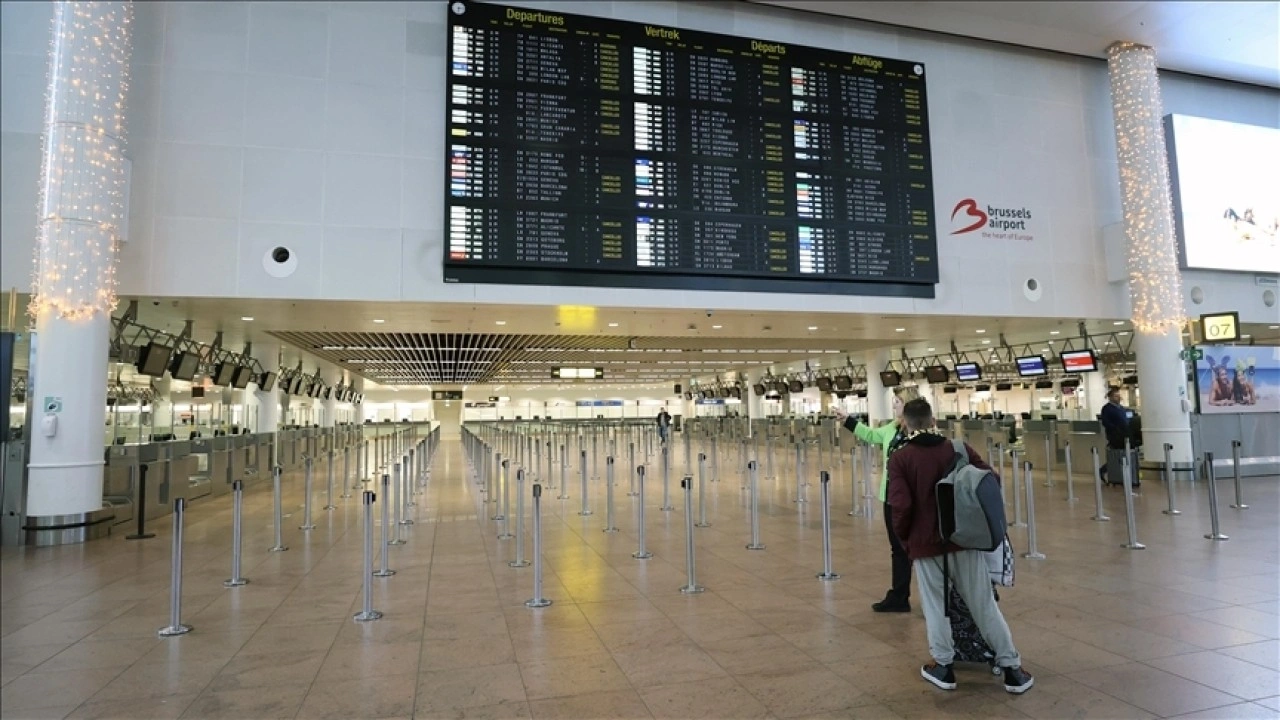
[(589, 359)]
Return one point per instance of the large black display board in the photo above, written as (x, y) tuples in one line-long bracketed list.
[(587, 151)]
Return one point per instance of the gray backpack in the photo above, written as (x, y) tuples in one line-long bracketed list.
[(970, 505)]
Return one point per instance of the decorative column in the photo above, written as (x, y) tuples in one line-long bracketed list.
[(1155, 282), (82, 190), (879, 409)]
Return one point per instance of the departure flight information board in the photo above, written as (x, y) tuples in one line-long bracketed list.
[(589, 151)]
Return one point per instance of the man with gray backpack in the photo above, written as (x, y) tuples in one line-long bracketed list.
[(948, 512)]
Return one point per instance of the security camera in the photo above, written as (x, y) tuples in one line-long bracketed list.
[(709, 313)]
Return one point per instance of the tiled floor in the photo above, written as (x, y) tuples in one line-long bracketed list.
[(1186, 627)]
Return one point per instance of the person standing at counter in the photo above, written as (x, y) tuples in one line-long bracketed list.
[(1115, 426), (888, 437)]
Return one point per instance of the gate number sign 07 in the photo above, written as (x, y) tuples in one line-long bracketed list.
[(1220, 327)]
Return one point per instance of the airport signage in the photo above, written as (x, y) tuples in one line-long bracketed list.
[(1220, 327)]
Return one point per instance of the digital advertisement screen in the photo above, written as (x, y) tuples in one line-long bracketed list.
[(1032, 366), (591, 151), (968, 372), (1226, 193), (1079, 361), (1238, 379)]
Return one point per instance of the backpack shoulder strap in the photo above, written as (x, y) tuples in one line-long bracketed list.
[(962, 454)]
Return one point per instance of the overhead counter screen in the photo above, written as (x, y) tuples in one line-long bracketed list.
[(587, 151)]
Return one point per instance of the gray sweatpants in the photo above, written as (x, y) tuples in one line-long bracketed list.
[(968, 572)]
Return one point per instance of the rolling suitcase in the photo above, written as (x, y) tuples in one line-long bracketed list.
[(969, 644)]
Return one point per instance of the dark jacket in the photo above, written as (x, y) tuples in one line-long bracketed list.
[(1115, 424), (914, 469)]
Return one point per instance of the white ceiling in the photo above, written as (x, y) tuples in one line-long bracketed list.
[(1230, 40)]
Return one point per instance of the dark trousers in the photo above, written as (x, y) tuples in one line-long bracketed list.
[(901, 589)]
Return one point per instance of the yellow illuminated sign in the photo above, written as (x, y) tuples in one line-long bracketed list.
[(1220, 327), (576, 317)]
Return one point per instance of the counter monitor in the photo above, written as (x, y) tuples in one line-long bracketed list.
[(968, 372), (1079, 361), (1032, 366)]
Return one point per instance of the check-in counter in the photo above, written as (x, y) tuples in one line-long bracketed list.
[(973, 432), (120, 481), (1038, 442), (1085, 435)]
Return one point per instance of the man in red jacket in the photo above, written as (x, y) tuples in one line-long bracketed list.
[(914, 469)]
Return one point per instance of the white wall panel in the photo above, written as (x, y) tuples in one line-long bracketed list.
[(361, 263), (206, 35), (362, 190), (367, 48), (284, 112), (282, 185), (204, 107), (22, 82), (198, 181), (364, 119), (285, 39), (196, 254)]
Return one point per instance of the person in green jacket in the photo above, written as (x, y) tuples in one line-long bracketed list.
[(888, 437)]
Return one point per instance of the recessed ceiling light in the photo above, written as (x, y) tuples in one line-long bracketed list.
[(980, 331), (246, 318), (1273, 327), (929, 350), (899, 329), (1246, 337), (813, 327), (1055, 332), (378, 321), (613, 324), (986, 342), (1118, 322)]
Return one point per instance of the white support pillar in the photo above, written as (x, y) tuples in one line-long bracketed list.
[(879, 408), (81, 213), (1155, 282), (1095, 392)]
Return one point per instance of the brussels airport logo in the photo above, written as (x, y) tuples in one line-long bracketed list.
[(999, 223)]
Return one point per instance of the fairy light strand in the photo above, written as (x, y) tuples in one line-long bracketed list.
[(1155, 281), (82, 177)]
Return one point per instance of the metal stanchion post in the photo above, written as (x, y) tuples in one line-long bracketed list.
[(753, 474), (175, 626), (406, 491), (237, 512), (505, 515), (1098, 513), (140, 509), (715, 458), (1071, 483), (328, 505), (346, 472), (586, 510), (854, 509), (1130, 520), (519, 561), (368, 613), (666, 481), (631, 463), (493, 494), (824, 478), (564, 474), (641, 553), (551, 461), (691, 587), (385, 570), (1168, 478), (1033, 550), (278, 502), (1019, 487), (397, 486), (306, 495), (702, 491), (1235, 472), (537, 601), (800, 484), (609, 527), (1048, 461), (1215, 532)]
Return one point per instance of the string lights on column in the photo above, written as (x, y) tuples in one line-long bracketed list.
[(82, 183), (1155, 282)]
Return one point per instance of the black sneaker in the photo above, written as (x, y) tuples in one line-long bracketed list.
[(944, 676), (1017, 680), (891, 605)]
